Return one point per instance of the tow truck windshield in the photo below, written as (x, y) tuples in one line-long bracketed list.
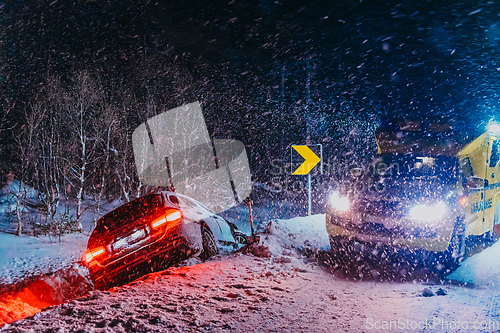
[(415, 167), (408, 176)]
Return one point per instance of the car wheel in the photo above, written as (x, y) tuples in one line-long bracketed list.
[(240, 237), (209, 246)]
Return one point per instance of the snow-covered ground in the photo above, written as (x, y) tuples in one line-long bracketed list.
[(27, 256), (481, 270), (299, 232), (272, 288), (36, 272)]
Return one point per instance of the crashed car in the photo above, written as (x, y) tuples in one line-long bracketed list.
[(152, 232), (423, 191)]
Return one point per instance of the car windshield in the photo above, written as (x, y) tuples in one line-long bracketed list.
[(134, 210)]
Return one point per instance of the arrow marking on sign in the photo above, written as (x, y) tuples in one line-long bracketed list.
[(311, 159)]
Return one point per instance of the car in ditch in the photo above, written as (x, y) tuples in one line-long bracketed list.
[(152, 232), (424, 191)]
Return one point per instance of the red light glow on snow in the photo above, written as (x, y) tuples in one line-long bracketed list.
[(30, 300), (41, 293)]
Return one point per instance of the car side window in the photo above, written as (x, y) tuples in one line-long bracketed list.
[(205, 209), (189, 210), (466, 167), (495, 156), (182, 203), (173, 199), (192, 205), (185, 203)]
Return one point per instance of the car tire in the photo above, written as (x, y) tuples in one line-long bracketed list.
[(209, 246), (240, 237)]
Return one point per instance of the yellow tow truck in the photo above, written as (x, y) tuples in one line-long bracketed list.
[(423, 190)]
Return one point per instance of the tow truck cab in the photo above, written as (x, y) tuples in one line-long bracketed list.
[(423, 190)]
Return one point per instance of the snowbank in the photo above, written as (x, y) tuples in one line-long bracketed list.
[(262, 213), (299, 232), (48, 290), (26, 256), (482, 269), (238, 293)]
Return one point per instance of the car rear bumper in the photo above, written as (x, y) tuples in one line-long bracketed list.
[(143, 261)]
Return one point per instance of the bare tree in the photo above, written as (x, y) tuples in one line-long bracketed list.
[(86, 101), (124, 168), (106, 131), (27, 146), (52, 159)]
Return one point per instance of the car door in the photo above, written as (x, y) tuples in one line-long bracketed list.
[(225, 230), (475, 195), (194, 212)]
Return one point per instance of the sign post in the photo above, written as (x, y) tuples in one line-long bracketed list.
[(311, 159)]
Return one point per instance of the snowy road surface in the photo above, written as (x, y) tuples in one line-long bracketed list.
[(242, 293), (281, 292)]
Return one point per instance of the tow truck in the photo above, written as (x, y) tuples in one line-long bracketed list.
[(423, 190)]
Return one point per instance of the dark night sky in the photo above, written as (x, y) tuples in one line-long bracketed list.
[(420, 58), (420, 55)]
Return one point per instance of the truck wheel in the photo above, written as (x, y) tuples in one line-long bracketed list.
[(452, 257), (340, 246), (209, 246), (490, 236)]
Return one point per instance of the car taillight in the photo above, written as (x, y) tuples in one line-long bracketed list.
[(171, 217), (94, 253)]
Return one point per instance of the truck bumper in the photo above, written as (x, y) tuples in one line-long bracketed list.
[(406, 234)]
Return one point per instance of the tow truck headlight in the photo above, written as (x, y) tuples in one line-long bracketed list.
[(339, 202), (428, 212)]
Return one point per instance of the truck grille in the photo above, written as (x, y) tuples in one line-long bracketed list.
[(381, 208), (378, 229)]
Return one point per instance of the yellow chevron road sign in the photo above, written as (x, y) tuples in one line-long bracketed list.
[(311, 159)]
